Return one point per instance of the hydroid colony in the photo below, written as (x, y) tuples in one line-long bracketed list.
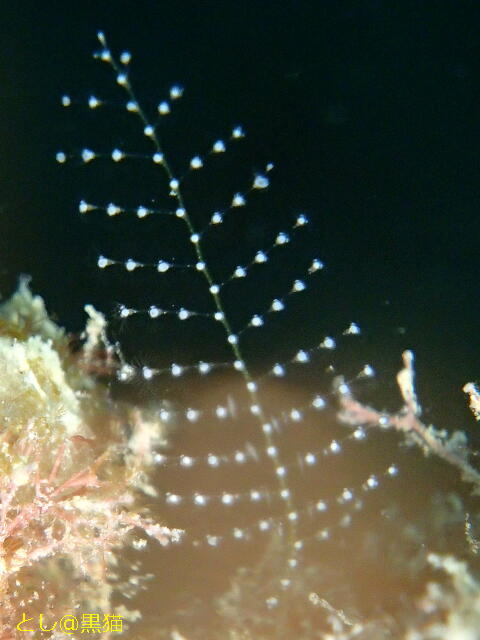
[(297, 524)]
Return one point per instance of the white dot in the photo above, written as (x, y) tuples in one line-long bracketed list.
[(87, 155), (174, 184), (186, 461), (217, 218), (256, 321), (272, 451), (238, 132), (204, 367), (260, 182), (218, 146), (232, 339), (255, 495), (147, 373), (240, 457), (176, 92), (392, 470), (293, 516), (60, 157), (157, 158), (66, 101), (255, 409), (298, 285), (264, 525), (122, 79), (142, 212), (318, 402), (163, 108), (125, 57), (335, 446), (285, 494), (278, 370), (196, 162), (221, 412), (176, 370), (238, 200), (213, 460), (219, 315), (238, 533), (302, 356), (239, 365), (132, 106), (153, 311), (113, 209), (282, 238), (277, 305), (301, 220), (93, 102), (240, 272), (183, 314), (281, 472), (172, 498), (192, 415), (131, 264), (180, 212), (252, 386), (200, 266), (103, 262), (321, 505), (316, 265), (148, 131), (200, 500), (296, 415), (163, 266), (267, 428), (228, 499), (260, 257), (310, 458)]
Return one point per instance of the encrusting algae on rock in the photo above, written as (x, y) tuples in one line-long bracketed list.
[(72, 465)]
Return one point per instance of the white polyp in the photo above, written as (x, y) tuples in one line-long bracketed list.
[(347, 495), (66, 101), (281, 472), (368, 371), (255, 495), (238, 533), (176, 92), (261, 257), (310, 458), (260, 182), (296, 415), (153, 311), (103, 262), (148, 130), (255, 409), (264, 525), (113, 209), (282, 238), (126, 373), (195, 238), (213, 541), (196, 162), (343, 389), (157, 157), (87, 155), (213, 460), (328, 343), (163, 108), (293, 516), (200, 266), (183, 314), (174, 184), (122, 79), (239, 365), (180, 212), (221, 412), (117, 155), (324, 534), (172, 498), (200, 500), (335, 446), (301, 220), (352, 330), (316, 265), (217, 218), (192, 415), (267, 428), (384, 421), (176, 370), (163, 266), (238, 200), (277, 305), (392, 470), (240, 457), (252, 386), (240, 272), (164, 415), (256, 321), (132, 106), (218, 146), (61, 157), (204, 367), (292, 562), (131, 264), (298, 544), (298, 285), (93, 102), (272, 451), (321, 505), (372, 482), (318, 402), (359, 433), (285, 494), (232, 339), (186, 461), (124, 312), (219, 316), (228, 499), (238, 132), (302, 356), (125, 57), (278, 370), (142, 211), (147, 373), (83, 206)]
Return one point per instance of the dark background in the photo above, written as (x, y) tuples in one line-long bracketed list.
[(369, 109)]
